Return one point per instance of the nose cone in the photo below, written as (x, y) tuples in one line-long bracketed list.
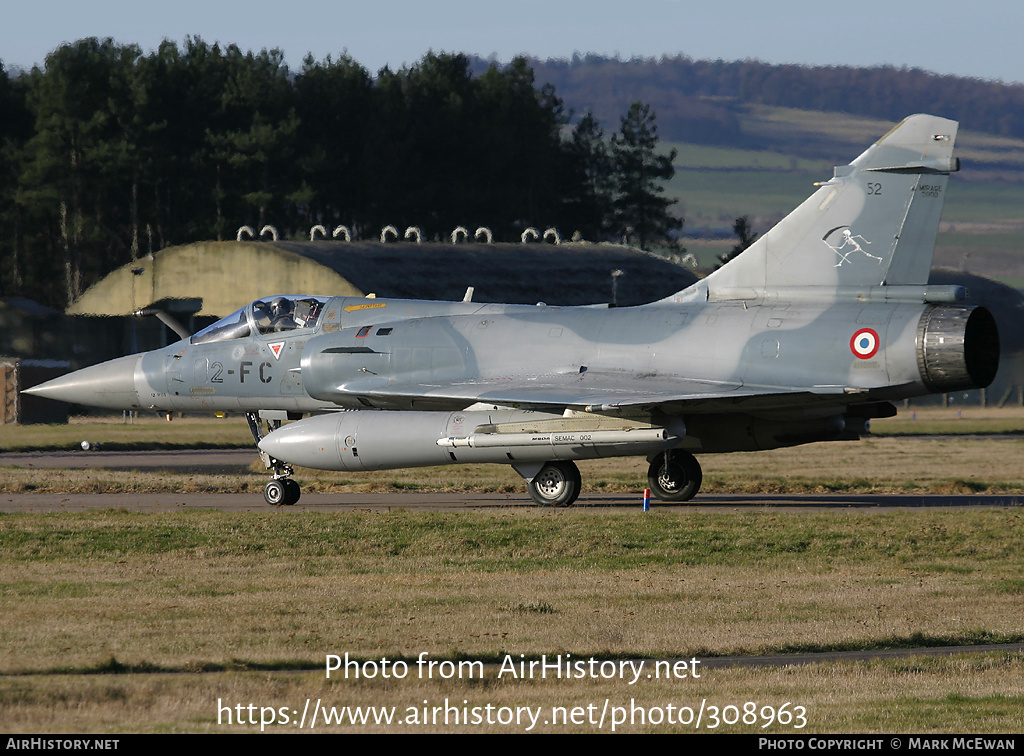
[(109, 385)]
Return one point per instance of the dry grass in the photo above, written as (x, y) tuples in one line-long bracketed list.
[(185, 591), (952, 695), (955, 419), (881, 464)]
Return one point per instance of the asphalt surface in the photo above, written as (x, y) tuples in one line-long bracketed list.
[(185, 460), (237, 460), (452, 502)]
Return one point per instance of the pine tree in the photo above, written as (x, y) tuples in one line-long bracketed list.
[(640, 210), (590, 211), (746, 237)]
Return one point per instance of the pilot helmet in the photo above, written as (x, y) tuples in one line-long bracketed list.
[(280, 306)]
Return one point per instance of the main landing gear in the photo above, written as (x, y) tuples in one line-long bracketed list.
[(281, 490), (556, 485), (674, 475)]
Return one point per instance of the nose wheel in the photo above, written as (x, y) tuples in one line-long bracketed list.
[(281, 491)]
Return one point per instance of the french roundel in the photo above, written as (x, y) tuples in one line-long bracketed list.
[(864, 344)]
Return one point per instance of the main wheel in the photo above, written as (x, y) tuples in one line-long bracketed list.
[(276, 492), (556, 485), (674, 476)]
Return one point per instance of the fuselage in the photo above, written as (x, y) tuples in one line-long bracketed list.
[(398, 354)]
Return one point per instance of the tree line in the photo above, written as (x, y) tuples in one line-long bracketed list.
[(703, 100), (107, 153)]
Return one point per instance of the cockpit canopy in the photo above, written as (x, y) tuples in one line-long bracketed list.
[(278, 314)]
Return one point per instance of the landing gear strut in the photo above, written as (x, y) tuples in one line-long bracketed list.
[(281, 490), (674, 475)]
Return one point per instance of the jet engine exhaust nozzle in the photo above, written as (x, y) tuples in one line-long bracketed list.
[(957, 348)]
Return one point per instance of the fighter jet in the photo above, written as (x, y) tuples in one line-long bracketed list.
[(815, 329)]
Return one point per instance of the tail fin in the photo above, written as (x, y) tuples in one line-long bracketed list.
[(873, 224)]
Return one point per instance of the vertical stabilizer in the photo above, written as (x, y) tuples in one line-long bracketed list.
[(873, 224)]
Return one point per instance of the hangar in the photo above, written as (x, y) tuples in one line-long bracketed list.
[(223, 276)]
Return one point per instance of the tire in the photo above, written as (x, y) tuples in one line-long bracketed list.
[(674, 476), (556, 485), (292, 492), (276, 492)]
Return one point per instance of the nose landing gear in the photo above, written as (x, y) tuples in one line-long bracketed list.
[(281, 490)]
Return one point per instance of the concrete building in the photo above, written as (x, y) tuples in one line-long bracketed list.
[(226, 275)]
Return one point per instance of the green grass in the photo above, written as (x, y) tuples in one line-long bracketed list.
[(445, 540), (716, 198), (989, 242), (702, 156), (983, 202), (955, 420), (206, 556), (708, 198), (104, 611)]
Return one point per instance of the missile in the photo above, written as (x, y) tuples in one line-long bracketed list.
[(532, 440)]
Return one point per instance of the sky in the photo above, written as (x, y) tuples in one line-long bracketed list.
[(978, 39)]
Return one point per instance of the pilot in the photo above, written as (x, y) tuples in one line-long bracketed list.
[(281, 311)]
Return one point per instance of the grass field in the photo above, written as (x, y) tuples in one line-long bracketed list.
[(709, 195), (125, 622), (100, 608), (729, 158)]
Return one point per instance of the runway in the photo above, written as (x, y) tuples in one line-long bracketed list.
[(238, 460), (184, 460), (456, 502)]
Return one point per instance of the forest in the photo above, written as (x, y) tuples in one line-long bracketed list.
[(108, 154)]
